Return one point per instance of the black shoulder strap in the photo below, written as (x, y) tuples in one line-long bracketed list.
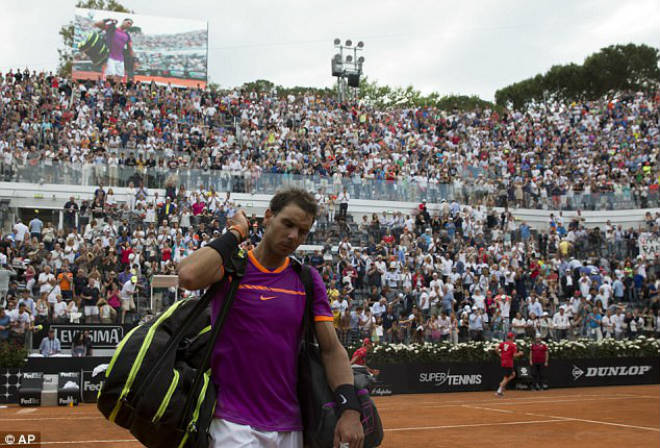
[(308, 318), (305, 274)]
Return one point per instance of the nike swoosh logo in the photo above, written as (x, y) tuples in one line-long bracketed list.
[(267, 298), (343, 399)]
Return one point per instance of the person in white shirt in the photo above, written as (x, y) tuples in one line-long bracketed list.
[(60, 311), (619, 324), (20, 230), (46, 280), (479, 299), (343, 200), (504, 303), (378, 308), (425, 302), (561, 324), (608, 324), (126, 296), (444, 324), (584, 284), (519, 325)]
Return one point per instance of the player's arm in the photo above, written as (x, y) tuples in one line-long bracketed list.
[(101, 24), (547, 357), (205, 266), (340, 378)]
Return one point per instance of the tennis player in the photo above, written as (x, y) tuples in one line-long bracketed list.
[(507, 351), (254, 363)]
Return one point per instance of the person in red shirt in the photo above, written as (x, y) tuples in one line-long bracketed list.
[(538, 359), (507, 351), (360, 357)]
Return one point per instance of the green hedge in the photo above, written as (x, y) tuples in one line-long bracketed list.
[(485, 351)]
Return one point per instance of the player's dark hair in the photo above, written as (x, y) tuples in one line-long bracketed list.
[(297, 196)]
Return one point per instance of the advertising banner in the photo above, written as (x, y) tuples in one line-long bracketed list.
[(102, 335), (139, 48), (464, 377)]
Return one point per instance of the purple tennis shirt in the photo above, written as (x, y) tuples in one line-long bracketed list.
[(119, 40), (255, 360)]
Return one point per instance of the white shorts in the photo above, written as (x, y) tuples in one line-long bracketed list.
[(91, 310), (224, 434), (114, 68)]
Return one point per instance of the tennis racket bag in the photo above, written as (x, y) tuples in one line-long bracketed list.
[(95, 47), (158, 383), (317, 400)]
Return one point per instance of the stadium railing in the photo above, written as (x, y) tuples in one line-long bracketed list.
[(359, 188)]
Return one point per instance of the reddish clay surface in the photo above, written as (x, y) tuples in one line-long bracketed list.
[(622, 416)]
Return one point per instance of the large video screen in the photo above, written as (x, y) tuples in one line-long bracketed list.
[(139, 48)]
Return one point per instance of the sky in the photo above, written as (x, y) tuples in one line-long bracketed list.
[(148, 24), (447, 46)]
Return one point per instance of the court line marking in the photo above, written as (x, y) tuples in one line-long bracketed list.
[(474, 425), (26, 411), (622, 425), (73, 417), (73, 442), (488, 409), (547, 397), (529, 401)]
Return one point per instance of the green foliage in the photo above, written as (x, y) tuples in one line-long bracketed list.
[(485, 351), (263, 85), (66, 32), (613, 69), (12, 355), (386, 96)]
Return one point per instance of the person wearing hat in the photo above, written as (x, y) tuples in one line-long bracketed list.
[(359, 358), (126, 296), (538, 359), (50, 345), (507, 351)]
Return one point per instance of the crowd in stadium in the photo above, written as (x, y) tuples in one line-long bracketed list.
[(453, 271), (596, 154), (177, 41), (462, 273)]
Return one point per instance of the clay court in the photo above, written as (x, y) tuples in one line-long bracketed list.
[(586, 417)]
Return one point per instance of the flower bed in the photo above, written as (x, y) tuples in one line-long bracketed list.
[(485, 351)]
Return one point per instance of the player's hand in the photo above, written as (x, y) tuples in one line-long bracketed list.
[(240, 220), (530, 362), (349, 430), (546, 364)]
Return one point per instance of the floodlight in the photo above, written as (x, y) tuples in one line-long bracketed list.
[(361, 60), (337, 41), (360, 44), (349, 43), (349, 58)]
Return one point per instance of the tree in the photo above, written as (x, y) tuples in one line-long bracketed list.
[(66, 53), (613, 69), (385, 96)]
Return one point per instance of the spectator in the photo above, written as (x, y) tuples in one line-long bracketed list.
[(538, 360), (5, 325), (50, 345), (35, 226)]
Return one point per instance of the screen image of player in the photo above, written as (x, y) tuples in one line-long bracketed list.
[(139, 48)]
